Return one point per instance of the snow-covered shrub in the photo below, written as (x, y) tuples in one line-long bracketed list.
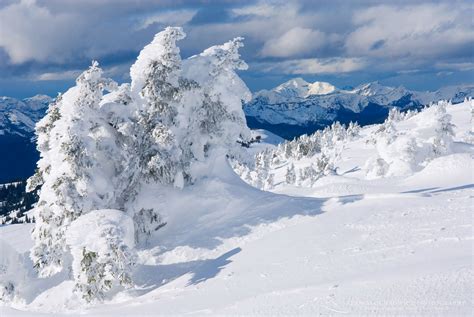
[(290, 176), (394, 114), (269, 181), (308, 176), (102, 246), (146, 221), (12, 274), (353, 129), (376, 167), (443, 139)]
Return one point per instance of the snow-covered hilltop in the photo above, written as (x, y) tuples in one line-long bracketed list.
[(351, 245), (298, 107)]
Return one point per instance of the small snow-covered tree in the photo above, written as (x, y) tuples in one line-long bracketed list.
[(270, 181), (104, 258), (353, 129), (394, 114), (43, 129), (309, 175), (290, 174), (441, 143), (75, 180), (324, 165), (13, 273), (376, 167)]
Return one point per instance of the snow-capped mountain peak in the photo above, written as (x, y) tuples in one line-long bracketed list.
[(372, 89), (320, 88), (300, 88), (294, 88)]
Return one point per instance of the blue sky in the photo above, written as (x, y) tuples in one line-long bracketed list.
[(45, 44)]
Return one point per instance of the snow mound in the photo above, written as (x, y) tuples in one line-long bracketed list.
[(456, 168)]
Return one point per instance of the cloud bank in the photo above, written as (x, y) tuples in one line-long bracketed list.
[(50, 40)]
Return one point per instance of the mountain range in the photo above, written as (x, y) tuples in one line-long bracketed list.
[(293, 108), (17, 146), (297, 107)]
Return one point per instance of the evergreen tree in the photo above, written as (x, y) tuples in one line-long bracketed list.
[(155, 89), (443, 139), (290, 174), (105, 257), (212, 113), (73, 179)]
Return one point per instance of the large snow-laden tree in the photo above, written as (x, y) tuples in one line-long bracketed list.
[(75, 179), (156, 92), (156, 97), (217, 122)]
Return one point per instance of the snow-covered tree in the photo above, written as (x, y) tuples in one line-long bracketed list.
[(353, 129), (214, 119), (394, 114), (308, 176), (290, 174), (155, 89), (270, 181), (43, 129), (104, 258), (324, 165), (441, 143), (75, 180)]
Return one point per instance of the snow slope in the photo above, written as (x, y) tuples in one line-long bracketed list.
[(352, 246)]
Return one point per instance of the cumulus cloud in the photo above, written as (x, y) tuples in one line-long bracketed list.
[(295, 42), (426, 30), (70, 74), (29, 32), (47, 40)]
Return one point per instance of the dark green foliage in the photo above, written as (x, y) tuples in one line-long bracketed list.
[(15, 202)]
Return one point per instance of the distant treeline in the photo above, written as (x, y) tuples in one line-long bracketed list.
[(15, 202)]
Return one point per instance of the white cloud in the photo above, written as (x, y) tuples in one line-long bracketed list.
[(174, 18), (260, 9), (29, 32), (295, 42), (70, 74), (414, 31), (314, 66), (466, 66)]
